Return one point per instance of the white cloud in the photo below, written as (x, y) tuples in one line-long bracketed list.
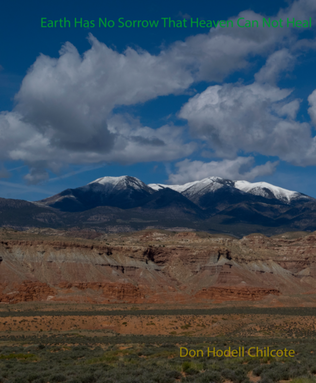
[(279, 62), (215, 55), (137, 143), (36, 175), (312, 109), (222, 51), (133, 143), (237, 169), (64, 109), (289, 109), (242, 117), (69, 99)]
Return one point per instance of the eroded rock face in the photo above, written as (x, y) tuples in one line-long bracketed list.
[(235, 293), (28, 291), (110, 291), (154, 266)]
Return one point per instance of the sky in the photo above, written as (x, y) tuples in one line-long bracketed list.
[(184, 99)]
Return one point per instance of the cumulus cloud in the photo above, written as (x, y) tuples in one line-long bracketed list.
[(105, 77), (68, 100), (133, 143), (312, 109), (64, 108), (36, 175), (137, 143), (300, 10), (287, 109), (279, 62), (215, 55), (240, 168), (236, 117)]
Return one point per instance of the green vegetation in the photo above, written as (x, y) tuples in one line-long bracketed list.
[(18, 356), (75, 358), (300, 311)]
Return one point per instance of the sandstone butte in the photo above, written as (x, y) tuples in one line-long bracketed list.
[(156, 267)]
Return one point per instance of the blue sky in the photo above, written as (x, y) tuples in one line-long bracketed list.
[(168, 105)]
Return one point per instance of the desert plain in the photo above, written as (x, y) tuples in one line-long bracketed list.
[(85, 306)]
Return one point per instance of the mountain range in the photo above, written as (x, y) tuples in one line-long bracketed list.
[(125, 203)]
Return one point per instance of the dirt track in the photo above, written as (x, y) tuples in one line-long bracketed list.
[(184, 325)]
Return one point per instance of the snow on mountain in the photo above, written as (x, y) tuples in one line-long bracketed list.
[(157, 187), (266, 190), (178, 188), (207, 185), (111, 180), (194, 186), (194, 189), (127, 192), (123, 192), (120, 182)]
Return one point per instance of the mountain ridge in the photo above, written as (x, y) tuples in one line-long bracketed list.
[(215, 183), (125, 203), (126, 192)]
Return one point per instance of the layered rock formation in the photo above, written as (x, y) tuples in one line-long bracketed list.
[(27, 291), (235, 293), (155, 266)]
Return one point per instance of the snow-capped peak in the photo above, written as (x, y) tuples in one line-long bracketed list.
[(157, 186), (121, 182), (195, 186), (267, 190), (108, 180), (196, 189), (178, 188), (211, 184)]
